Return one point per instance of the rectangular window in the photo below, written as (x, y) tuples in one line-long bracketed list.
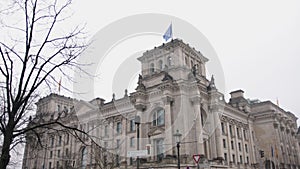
[(241, 159), (246, 148), (52, 142), (106, 130), (247, 158), (240, 148), (119, 128), (233, 158), (51, 154), (224, 143), (225, 157), (245, 135), (132, 125), (132, 142), (230, 130), (57, 164), (58, 153), (67, 152), (67, 139), (50, 165), (238, 132), (59, 140), (223, 128), (232, 145)]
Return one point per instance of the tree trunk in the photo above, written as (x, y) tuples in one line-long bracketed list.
[(5, 155)]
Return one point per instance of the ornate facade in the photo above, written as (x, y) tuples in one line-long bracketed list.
[(173, 93)]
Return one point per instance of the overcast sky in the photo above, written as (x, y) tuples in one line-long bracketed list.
[(257, 42)]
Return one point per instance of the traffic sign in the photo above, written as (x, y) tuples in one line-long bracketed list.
[(136, 153), (196, 158)]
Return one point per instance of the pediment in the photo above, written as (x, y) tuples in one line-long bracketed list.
[(156, 131)]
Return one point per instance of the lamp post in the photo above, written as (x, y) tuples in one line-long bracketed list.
[(137, 121), (177, 136)]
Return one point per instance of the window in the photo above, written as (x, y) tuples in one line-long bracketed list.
[(51, 154), (58, 153), (247, 158), (245, 135), (246, 148), (192, 63), (159, 143), (240, 148), (159, 117), (132, 125), (52, 141), (117, 160), (230, 130), (57, 164), (106, 130), (233, 158), (132, 142), (59, 141), (83, 158), (186, 61), (160, 63), (225, 157), (223, 128), (238, 132), (67, 152), (241, 159), (152, 68), (232, 145), (50, 165), (119, 127), (58, 108), (224, 143), (67, 139)]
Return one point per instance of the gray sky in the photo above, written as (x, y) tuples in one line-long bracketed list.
[(257, 42)]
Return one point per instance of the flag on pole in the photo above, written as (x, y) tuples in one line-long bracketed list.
[(169, 33), (59, 84)]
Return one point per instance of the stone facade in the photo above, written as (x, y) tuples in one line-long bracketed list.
[(173, 93)]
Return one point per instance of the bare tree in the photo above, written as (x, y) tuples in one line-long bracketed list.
[(34, 49), (104, 158)]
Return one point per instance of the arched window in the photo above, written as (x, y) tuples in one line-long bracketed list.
[(152, 68), (160, 63), (83, 158), (158, 117)]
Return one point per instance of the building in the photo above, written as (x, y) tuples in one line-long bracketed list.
[(173, 94)]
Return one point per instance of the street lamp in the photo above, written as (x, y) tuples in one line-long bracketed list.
[(137, 121), (177, 136)]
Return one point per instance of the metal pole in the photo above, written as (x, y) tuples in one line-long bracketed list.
[(178, 154), (138, 145)]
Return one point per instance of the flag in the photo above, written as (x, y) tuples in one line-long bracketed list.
[(59, 84), (169, 33)]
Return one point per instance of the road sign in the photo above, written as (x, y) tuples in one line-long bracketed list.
[(196, 158), (136, 153)]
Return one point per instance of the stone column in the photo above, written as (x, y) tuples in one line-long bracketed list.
[(168, 125), (199, 128), (217, 133)]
